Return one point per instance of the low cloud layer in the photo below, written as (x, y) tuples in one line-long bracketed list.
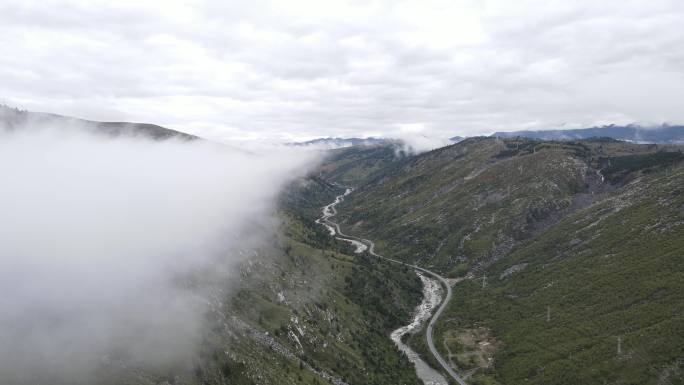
[(97, 234), (415, 138), (301, 69)]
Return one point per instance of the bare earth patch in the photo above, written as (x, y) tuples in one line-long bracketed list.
[(470, 349)]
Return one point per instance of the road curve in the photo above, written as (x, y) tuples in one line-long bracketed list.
[(330, 211)]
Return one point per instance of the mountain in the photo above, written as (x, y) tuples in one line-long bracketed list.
[(12, 119), (302, 309), (632, 133), (565, 259), (567, 254), (341, 142), (595, 298), (349, 142), (306, 309)]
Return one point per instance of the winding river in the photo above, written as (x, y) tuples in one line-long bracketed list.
[(432, 296)]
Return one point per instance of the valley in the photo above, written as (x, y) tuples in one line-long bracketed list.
[(413, 192), (490, 261), (431, 298), (549, 234)]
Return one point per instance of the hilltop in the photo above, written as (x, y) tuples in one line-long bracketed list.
[(13, 119)]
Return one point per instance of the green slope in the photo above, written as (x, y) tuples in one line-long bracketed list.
[(613, 270), (469, 204), (590, 232), (331, 309)]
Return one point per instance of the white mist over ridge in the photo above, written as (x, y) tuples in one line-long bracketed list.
[(96, 231), (416, 139)]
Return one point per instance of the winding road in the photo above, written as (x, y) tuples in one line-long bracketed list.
[(330, 211)]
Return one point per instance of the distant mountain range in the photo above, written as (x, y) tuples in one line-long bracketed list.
[(348, 142), (632, 133), (13, 119), (341, 142), (663, 134)]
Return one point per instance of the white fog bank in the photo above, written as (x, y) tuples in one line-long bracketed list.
[(95, 231)]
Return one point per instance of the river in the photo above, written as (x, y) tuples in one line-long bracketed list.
[(432, 297)]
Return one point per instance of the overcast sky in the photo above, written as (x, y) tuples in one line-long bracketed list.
[(294, 70)]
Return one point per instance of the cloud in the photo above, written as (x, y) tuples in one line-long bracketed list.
[(267, 69), (100, 237), (417, 139)]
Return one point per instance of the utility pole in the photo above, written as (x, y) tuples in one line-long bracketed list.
[(619, 346)]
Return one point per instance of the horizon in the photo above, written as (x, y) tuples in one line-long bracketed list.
[(305, 140)]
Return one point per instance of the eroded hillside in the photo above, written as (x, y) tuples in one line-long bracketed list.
[(464, 206)]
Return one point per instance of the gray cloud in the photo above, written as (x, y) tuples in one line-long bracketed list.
[(301, 69)]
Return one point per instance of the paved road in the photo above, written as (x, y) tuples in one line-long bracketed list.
[(330, 211)]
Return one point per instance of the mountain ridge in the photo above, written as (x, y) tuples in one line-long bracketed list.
[(549, 240), (663, 134), (14, 119)]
